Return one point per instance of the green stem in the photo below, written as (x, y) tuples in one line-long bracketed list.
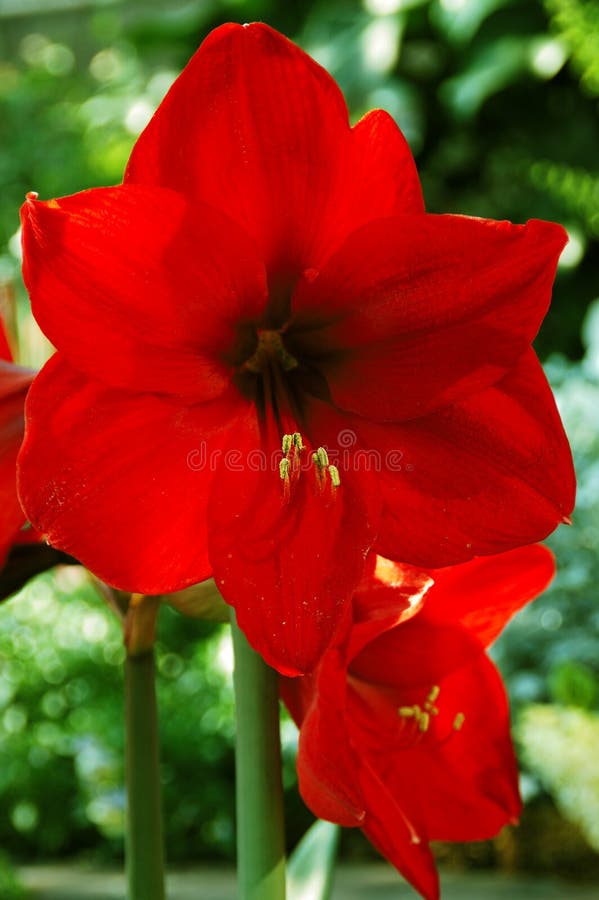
[(260, 825), (144, 844)]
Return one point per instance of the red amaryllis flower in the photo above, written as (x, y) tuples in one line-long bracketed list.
[(266, 286), (404, 726)]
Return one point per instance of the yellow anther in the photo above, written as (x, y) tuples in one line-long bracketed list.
[(286, 443), (421, 716), (284, 469), (434, 693), (297, 440), (321, 458), (334, 473)]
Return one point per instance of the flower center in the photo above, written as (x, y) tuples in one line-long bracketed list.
[(416, 719), (270, 349), (273, 371)]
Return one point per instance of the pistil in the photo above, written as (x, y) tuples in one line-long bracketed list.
[(270, 349)]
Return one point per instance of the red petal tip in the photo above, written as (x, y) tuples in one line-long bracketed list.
[(551, 232), (566, 520), (30, 196)]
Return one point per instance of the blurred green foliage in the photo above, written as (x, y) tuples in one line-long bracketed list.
[(560, 746), (498, 99), (576, 23), (10, 887), (61, 725)]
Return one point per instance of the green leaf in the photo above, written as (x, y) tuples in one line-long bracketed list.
[(311, 865), (571, 683)]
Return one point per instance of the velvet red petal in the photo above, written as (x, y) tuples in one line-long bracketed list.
[(485, 475), (478, 597), (256, 128), (377, 178), (327, 766), (336, 778), (391, 832), (390, 594), (427, 309), (288, 558), (484, 594), (5, 351), (385, 170), (14, 383), (141, 290), (121, 481)]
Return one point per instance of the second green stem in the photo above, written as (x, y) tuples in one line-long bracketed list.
[(260, 823), (145, 852)]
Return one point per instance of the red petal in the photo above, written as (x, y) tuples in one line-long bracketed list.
[(256, 128), (413, 313), (327, 766), (14, 383), (121, 481), (485, 475), (384, 161), (5, 351), (141, 290), (484, 594), (288, 566), (336, 778), (391, 594), (388, 828), (378, 178)]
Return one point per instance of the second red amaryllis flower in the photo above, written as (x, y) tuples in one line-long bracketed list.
[(266, 279), (404, 727)]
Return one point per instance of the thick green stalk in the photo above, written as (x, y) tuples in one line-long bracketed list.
[(260, 825), (144, 844)]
